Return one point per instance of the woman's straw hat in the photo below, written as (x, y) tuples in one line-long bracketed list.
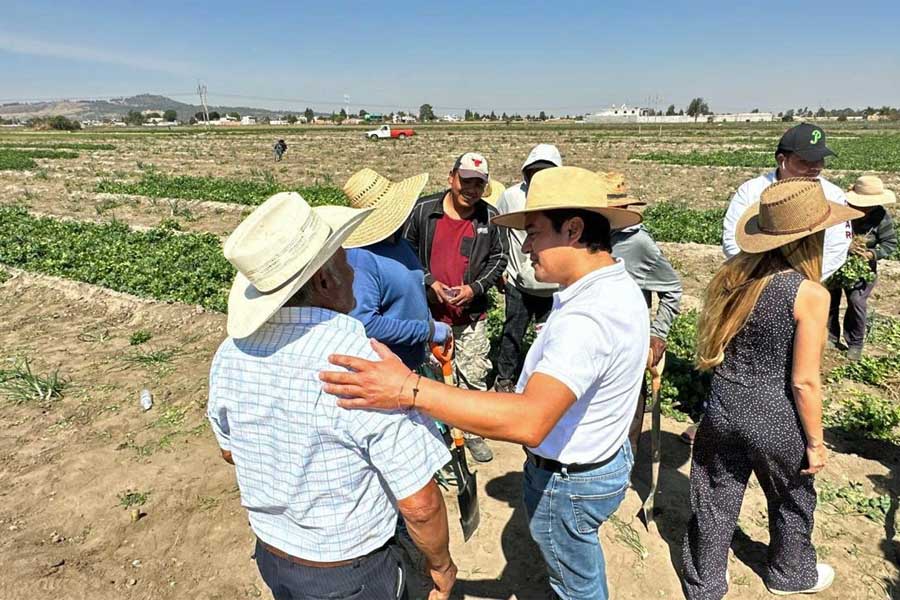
[(276, 250), (788, 210), (616, 191), (392, 203), (869, 191), (492, 192), (568, 187)]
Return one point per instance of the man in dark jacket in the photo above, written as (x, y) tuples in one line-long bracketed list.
[(463, 255)]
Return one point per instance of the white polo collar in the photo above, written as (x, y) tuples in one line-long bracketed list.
[(588, 280)]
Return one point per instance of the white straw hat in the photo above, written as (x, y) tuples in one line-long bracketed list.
[(870, 191), (392, 203), (276, 250), (568, 187)]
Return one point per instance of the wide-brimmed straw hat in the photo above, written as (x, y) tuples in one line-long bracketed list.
[(870, 191), (787, 211), (568, 187), (617, 191), (392, 204), (492, 192), (276, 250)]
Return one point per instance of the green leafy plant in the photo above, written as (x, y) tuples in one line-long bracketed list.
[(855, 270), (866, 415), (883, 330), (675, 222), (156, 263), (863, 153), (139, 337), (130, 498), (852, 499), (235, 191), (879, 371), (684, 389), (13, 159)]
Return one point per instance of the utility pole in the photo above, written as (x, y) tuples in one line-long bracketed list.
[(201, 91)]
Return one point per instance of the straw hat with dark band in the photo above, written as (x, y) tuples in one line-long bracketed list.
[(788, 210), (392, 204), (572, 188), (870, 191), (616, 191)]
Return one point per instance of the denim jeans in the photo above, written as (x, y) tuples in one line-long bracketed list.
[(565, 511), (521, 308)]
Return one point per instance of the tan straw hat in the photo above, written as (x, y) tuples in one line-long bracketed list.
[(276, 250), (869, 191), (616, 191), (788, 210), (492, 192), (568, 187), (392, 203)]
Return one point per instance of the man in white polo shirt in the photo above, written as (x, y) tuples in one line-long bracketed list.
[(579, 387), (801, 152)]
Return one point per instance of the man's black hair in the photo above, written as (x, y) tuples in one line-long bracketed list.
[(596, 234)]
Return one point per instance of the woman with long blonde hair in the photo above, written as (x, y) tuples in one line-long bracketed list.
[(761, 333)]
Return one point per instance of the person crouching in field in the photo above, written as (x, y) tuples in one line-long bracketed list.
[(762, 332), (578, 389), (322, 486), (279, 149), (877, 240)]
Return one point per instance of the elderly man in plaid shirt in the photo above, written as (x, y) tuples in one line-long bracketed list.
[(322, 485)]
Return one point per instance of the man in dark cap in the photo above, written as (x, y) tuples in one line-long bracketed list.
[(801, 152)]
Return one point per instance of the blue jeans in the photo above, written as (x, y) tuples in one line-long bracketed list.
[(565, 511)]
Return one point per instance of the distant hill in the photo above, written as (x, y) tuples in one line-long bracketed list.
[(119, 107)]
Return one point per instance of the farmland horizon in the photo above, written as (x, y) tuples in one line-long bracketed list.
[(522, 58)]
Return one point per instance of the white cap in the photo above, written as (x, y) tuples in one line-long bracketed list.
[(543, 152), (472, 164)]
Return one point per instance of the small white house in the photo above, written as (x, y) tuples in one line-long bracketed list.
[(248, 120)]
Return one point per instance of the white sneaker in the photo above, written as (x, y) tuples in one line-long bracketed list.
[(826, 578)]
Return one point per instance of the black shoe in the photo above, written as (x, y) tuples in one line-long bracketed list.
[(854, 353), (479, 450), (504, 386)]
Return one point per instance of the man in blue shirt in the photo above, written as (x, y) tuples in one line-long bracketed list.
[(389, 281)]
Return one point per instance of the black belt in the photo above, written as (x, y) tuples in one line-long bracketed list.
[(555, 466)]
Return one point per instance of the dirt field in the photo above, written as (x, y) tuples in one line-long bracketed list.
[(69, 467)]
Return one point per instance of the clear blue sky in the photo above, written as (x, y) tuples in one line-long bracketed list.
[(562, 57)]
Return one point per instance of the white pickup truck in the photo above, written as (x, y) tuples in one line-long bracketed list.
[(386, 132)]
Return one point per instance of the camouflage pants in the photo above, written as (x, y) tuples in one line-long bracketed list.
[(470, 357), (470, 361)]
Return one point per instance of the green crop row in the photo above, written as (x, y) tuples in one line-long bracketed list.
[(155, 264), (58, 146), (19, 160), (869, 153), (675, 222), (235, 191)]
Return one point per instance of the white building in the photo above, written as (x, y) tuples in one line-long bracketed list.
[(248, 120), (450, 118), (404, 119)]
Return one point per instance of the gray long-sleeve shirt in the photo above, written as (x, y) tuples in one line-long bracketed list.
[(652, 271)]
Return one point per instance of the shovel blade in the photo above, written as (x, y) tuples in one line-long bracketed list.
[(469, 515)]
